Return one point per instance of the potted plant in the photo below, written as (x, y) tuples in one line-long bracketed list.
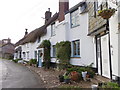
[(74, 76), (84, 75), (106, 13), (61, 78), (66, 79)]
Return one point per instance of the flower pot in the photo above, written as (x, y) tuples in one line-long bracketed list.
[(84, 75), (106, 13), (74, 76), (67, 81), (61, 78)]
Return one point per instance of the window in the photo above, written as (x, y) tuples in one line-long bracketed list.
[(39, 38), (27, 55), (35, 54), (76, 48), (75, 18), (53, 29), (24, 55), (54, 51), (27, 45)]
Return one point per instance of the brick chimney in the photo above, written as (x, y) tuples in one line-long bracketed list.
[(63, 7), (47, 15)]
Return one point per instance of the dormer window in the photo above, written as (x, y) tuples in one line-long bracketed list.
[(75, 21), (53, 29)]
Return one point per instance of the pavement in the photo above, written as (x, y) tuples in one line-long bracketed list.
[(13, 75)]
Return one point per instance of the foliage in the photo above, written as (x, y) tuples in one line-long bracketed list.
[(46, 45), (16, 60), (66, 77), (111, 85), (81, 69), (63, 53), (106, 13), (107, 10), (33, 61), (70, 87)]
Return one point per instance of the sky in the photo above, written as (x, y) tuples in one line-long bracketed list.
[(16, 15)]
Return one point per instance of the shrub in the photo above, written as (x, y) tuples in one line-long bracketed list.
[(16, 60), (46, 59), (63, 53), (33, 61), (111, 85)]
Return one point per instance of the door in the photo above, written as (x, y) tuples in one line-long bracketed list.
[(99, 56), (39, 58), (105, 56)]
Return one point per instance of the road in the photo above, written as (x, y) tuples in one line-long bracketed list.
[(13, 75)]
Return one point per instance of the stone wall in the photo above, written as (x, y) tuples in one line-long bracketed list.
[(94, 22)]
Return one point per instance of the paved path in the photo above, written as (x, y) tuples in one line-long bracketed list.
[(16, 76)]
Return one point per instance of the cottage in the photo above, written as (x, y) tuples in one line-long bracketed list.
[(105, 34)]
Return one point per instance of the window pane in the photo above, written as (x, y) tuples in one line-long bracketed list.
[(76, 48), (75, 18), (54, 51)]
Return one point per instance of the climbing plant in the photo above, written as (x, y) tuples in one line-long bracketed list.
[(46, 58), (63, 53)]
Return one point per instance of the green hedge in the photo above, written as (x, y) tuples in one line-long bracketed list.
[(46, 59), (33, 61), (63, 52)]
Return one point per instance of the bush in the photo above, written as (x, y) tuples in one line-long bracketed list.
[(82, 69), (16, 60), (111, 85), (46, 45), (33, 61), (63, 53)]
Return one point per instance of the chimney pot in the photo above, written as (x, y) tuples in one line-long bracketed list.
[(26, 32)]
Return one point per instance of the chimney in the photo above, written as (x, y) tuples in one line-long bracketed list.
[(63, 7), (47, 15), (26, 32), (9, 40)]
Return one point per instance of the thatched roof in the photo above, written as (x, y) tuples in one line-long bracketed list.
[(33, 35)]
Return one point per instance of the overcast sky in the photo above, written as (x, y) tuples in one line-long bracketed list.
[(16, 15)]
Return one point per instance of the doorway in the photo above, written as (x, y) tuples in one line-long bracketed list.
[(103, 60)]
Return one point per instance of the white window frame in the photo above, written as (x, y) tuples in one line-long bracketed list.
[(75, 18), (54, 51), (53, 29)]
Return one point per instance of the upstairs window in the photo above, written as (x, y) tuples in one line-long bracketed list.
[(75, 21), (76, 48), (53, 29), (39, 38)]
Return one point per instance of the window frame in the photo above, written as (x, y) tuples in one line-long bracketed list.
[(77, 51), (53, 33), (78, 17), (39, 39), (53, 51)]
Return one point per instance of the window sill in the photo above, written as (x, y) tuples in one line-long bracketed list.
[(75, 26), (75, 57), (53, 57)]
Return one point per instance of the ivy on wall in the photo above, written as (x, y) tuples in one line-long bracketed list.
[(63, 52), (46, 58)]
